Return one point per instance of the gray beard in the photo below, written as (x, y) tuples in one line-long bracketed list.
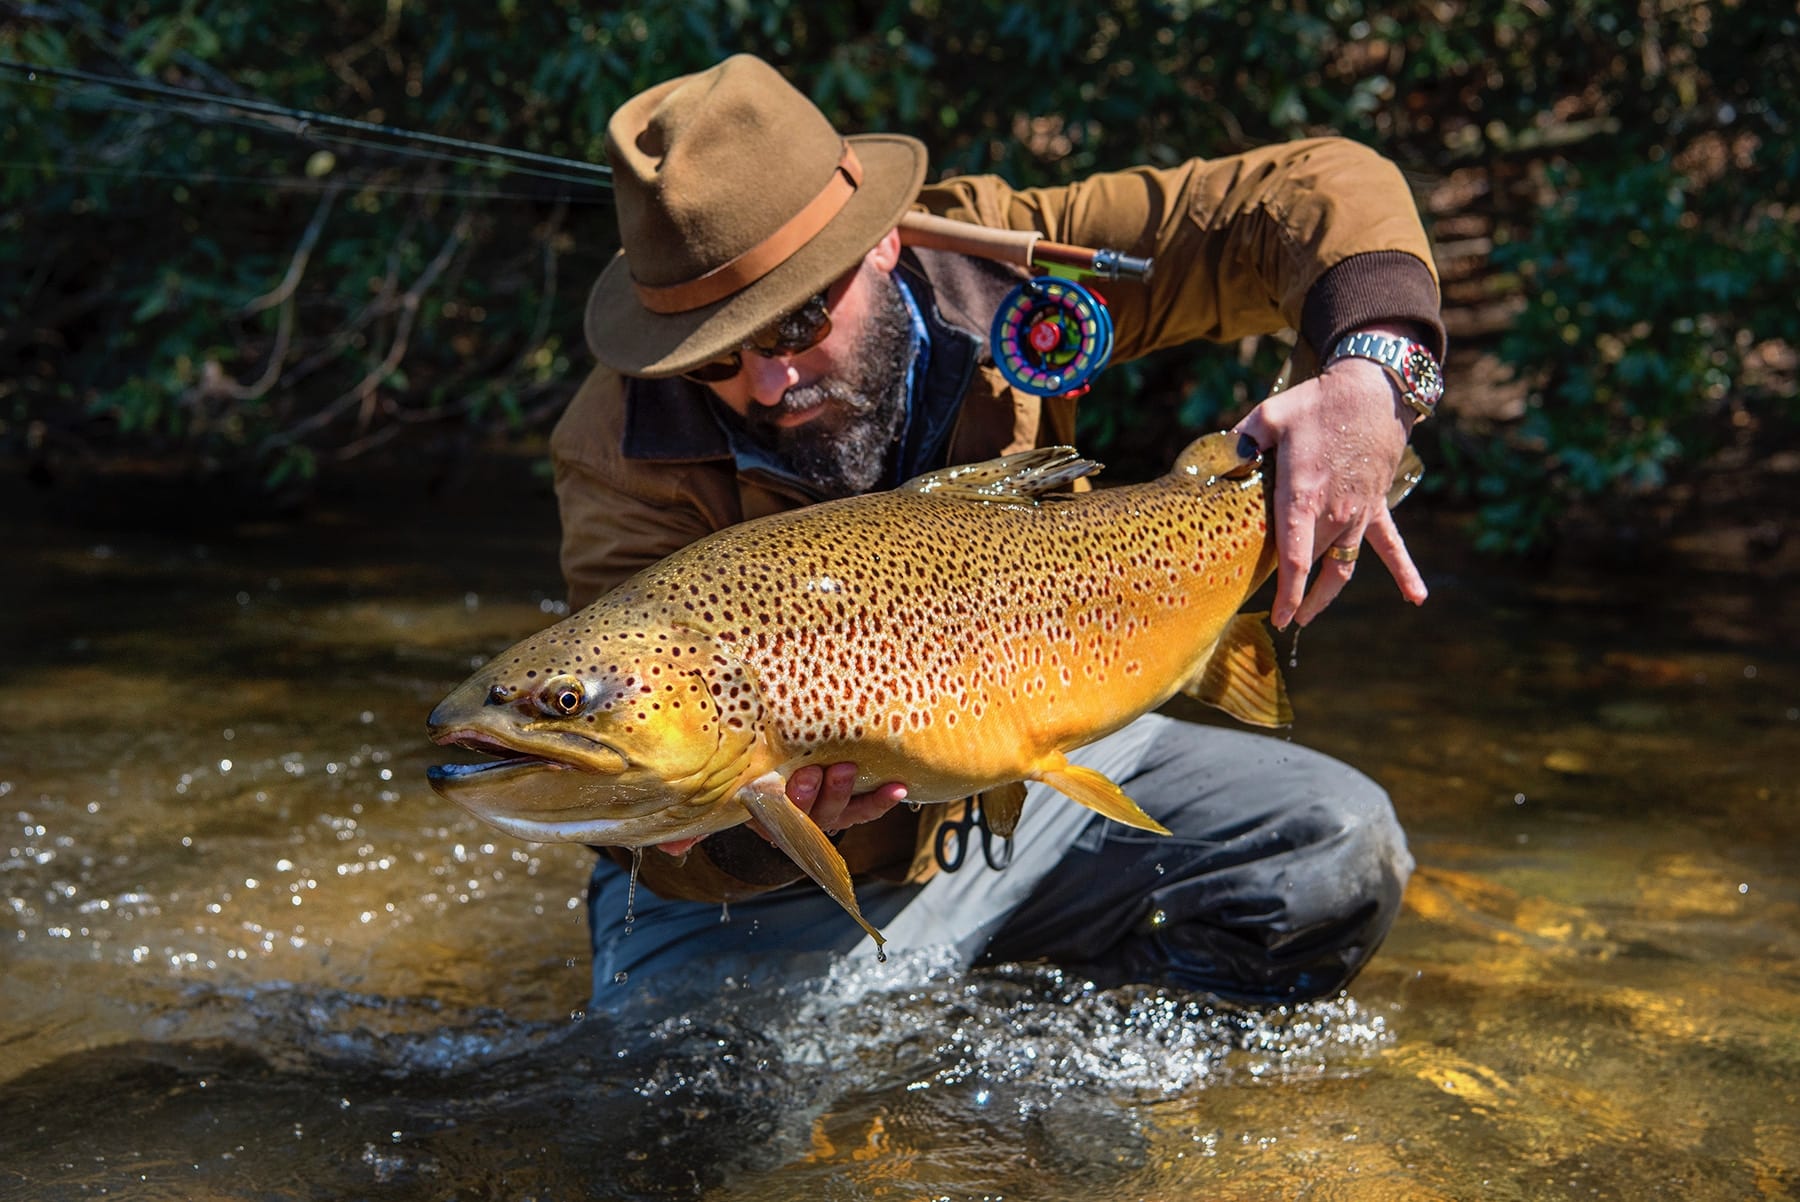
[(846, 449)]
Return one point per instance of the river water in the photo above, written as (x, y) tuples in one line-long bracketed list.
[(248, 953)]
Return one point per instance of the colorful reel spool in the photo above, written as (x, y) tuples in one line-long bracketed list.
[(1051, 336)]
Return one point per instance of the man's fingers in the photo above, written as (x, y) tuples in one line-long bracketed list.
[(1339, 563), (834, 795), (803, 786), (1384, 537), (803, 790), (1296, 523), (827, 794), (1336, 567), (1257, 429), (866, 807)]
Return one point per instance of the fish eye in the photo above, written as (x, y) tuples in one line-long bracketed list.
[(562, 696)]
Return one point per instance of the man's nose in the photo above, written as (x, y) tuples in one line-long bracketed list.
[(768, 379)]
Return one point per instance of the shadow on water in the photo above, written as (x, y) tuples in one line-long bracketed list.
[(247, 952)]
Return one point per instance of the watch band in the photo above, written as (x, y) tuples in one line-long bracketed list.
[(1414, 368)]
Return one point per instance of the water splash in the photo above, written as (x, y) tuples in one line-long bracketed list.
[(1030, 1035)]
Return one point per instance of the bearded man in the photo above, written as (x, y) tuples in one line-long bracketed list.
[(766, 339)]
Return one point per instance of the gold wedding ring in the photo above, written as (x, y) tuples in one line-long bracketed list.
[(1344, 554)]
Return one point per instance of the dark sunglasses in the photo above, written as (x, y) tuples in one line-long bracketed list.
[(794, 334)]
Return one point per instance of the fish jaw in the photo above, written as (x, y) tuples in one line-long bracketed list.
[(543, 801), (548, 801)]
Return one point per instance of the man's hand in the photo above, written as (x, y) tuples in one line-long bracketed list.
[(825, 794), (1340, 436)]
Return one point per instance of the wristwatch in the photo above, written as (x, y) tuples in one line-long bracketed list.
[(1413, 367)]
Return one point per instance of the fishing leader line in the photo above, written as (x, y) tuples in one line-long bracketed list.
[(1051, 337), (289, 183), (193, 103)]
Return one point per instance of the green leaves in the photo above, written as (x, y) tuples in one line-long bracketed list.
[(1637, 178), (1658, 326)]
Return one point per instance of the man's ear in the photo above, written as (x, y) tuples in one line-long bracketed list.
[(885, 254)]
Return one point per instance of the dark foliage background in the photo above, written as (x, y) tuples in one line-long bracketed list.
[(1611, 185)]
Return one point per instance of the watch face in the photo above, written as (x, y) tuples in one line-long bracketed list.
[(1422, 373)]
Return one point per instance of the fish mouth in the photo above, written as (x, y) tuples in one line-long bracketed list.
[(491, 771), (533, 797), (562, 754), (511, 795), (543, 800)]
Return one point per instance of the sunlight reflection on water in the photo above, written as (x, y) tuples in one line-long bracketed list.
[(248, 952)]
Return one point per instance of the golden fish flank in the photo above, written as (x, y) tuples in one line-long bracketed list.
[(958, 634)]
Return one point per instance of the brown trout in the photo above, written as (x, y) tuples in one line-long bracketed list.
[(960, 634)]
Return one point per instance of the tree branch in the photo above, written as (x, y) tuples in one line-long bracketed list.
[(360, 393)]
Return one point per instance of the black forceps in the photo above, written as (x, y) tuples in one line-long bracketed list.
[(954, 836)]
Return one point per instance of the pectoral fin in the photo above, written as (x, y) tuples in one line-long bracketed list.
[(1001, 807), (1095, 791), (1241, 676), (806, 845)]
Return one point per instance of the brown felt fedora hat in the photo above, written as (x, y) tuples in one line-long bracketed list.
[(737, 201)]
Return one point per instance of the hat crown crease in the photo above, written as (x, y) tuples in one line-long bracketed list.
[(721, 165)]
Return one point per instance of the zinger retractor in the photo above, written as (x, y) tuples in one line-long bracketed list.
[(1051, 337)]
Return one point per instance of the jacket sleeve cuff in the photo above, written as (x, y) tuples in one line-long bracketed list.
[(1377, 286)]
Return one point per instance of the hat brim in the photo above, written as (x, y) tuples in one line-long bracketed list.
[(631, 339)]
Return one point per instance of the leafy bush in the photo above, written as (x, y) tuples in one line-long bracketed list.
[(209, 290)]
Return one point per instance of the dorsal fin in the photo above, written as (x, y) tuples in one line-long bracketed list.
[(1017, 479)]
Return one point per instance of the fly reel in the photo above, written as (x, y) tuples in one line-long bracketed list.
[(1051, 337)]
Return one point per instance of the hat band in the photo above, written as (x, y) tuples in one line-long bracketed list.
[(765, 256)]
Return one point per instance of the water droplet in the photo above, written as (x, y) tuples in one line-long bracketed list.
[(1744, 887), (1159, 918), (637, 861), (620, 977), (724, 912), (1160, 870)]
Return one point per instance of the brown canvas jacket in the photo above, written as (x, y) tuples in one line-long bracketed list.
[(1319, 236)]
